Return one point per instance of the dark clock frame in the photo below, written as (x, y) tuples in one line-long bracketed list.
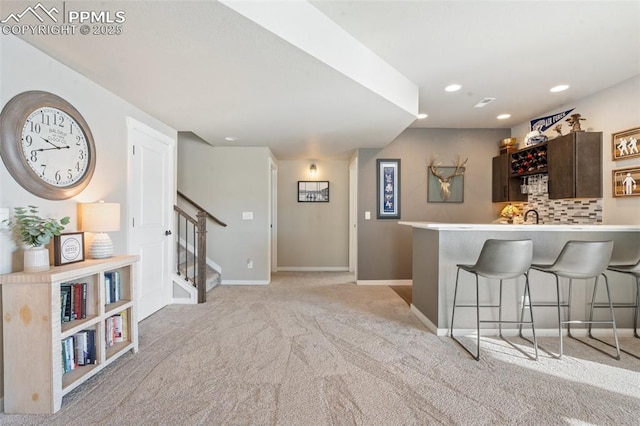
[(12, 120)]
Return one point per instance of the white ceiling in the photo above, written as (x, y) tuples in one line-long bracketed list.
[(318, 80)]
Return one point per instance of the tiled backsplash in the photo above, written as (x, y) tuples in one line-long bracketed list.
[(567, 211)]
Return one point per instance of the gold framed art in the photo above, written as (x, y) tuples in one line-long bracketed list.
[(624, 144), (626, 182)]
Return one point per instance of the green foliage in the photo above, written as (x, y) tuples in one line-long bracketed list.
[(34, 230)]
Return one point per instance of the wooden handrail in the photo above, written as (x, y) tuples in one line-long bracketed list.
[(197, 206)]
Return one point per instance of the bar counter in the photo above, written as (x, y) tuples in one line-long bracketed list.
[(439, 247)]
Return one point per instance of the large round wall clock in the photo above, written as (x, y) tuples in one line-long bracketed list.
[(46, 145)]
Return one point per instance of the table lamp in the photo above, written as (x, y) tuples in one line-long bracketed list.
[(509, 212), (100, 218)]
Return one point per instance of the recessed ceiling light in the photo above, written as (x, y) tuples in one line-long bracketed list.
[(231, 138), (559, 88), (453, 88), (503, 116), (422, 115)]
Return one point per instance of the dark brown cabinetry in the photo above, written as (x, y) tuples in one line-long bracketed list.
[(504, 187), (575, 165), (572, 161)]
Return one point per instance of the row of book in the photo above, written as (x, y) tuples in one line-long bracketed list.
[(79, 350), (112, 287), (73, 301), (117, 329)]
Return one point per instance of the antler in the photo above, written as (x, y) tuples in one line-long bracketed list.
[(434, 169), (445, 191), (458, 167)]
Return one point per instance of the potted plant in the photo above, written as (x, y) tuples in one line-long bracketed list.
[(35, 232)]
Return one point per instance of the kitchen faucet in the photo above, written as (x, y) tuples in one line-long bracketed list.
[(532, 211)]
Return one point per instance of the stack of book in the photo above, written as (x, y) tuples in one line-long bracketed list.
[(79, 350), (111, 286), (73, 301), (117, 329)]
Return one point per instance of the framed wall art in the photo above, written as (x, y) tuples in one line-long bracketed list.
[(447, 186), (313, 191), (68, 248), (388, 194), (624, 144), (626, 182)]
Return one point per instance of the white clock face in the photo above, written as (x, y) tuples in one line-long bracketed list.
[(55, 147)]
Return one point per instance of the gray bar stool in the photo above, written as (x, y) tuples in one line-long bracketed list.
[(634, 271), (501, 260), (581, 260)]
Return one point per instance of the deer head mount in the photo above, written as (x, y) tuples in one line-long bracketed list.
[(445, 182)]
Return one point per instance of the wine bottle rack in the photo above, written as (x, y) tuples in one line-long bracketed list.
[(529, 161)]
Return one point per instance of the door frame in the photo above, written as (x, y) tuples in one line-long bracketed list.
[(170, 195), (273, 217), (353, 216)]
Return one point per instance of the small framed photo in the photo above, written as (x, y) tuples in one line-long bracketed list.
[(626, 182), (388, 198), (624, 144), (313, 191), (68, 248)]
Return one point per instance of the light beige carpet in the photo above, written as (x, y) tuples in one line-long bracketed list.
[(315, 349)]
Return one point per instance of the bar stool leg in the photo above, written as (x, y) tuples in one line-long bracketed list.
[(593, 302), (500, 311), (527, 292), (635, 311), (455, 295), (559, 313), (478, 316), (613, 318), (569, 308)]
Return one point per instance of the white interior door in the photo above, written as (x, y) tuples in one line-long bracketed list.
[(152, 192)]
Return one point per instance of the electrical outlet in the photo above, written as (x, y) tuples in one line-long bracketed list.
[(249, 264), (367, 215)]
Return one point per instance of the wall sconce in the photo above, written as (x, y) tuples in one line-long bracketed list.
[(313, 170), (100, 218)]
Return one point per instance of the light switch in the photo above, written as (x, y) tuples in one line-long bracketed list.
[(247, 215), (367, 215)]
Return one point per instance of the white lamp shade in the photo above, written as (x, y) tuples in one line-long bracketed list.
[(100, 217)]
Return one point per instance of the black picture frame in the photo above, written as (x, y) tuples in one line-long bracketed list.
[(388, 188), (68, 248), (316, 191)]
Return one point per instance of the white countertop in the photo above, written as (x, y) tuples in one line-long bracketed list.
[(520, 227)]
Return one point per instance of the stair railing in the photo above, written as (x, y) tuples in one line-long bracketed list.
[(191, 240)]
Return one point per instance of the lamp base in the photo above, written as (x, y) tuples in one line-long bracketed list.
[(102, 247)]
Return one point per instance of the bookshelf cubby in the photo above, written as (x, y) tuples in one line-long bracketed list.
[(34, 378)]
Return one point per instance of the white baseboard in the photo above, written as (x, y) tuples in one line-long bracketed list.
[(384, 282), (245, 282), (182, 301), (427, 322), (313, 269)]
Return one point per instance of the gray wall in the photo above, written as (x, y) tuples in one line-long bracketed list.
[(384, 247), (227, 181), (313, 236)]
